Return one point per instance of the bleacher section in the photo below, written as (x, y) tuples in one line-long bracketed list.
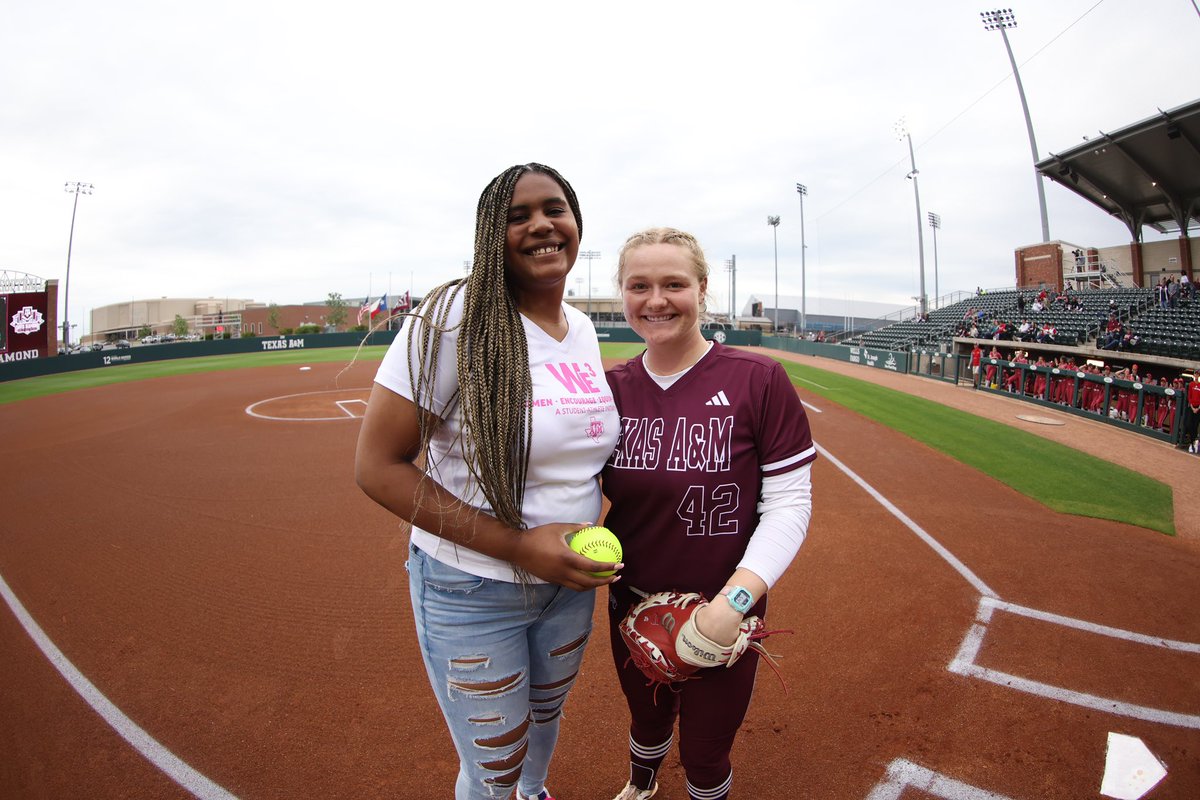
[(1075, 327), (1170, 332)]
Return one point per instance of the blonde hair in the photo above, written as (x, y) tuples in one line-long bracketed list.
[(495, 391)]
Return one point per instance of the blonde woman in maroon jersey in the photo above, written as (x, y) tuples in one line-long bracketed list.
[(710, 493)]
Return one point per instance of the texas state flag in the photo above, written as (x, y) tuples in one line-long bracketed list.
[(380, 305)]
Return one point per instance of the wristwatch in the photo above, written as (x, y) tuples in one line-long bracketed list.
[(739, 597)]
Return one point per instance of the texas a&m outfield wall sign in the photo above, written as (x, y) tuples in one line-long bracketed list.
[(27, 324)]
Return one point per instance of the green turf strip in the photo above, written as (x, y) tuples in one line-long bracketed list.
[(1060, 478)]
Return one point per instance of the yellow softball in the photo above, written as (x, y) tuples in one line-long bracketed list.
[(598, 544)]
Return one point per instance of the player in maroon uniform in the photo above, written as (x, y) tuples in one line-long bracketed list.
[(710, 493)]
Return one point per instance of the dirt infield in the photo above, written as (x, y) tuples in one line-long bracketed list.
[(236, 613)]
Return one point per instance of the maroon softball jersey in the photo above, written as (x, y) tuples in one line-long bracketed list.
[(685, 478)]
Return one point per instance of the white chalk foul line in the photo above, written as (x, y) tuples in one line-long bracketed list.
[(902, 774), (964, 664), (811, 407), (171, 765), (946, 555)]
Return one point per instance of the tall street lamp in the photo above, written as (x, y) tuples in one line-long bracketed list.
[(589, 255), (78, 189), (935, 222), (1001, 19), (802, 190), (903, 134), (774, 223)]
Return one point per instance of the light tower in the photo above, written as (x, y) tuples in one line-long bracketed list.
[(802, 190), (589, 255), (77, 189), (903, 134), (935, 222), (1000, 20), (774, 223)]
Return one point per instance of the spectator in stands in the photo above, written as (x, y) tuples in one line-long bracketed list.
[(1185, 287), (1191, 414), (1047, 334), (1020, 304), (1129, 339), (1038, 305)]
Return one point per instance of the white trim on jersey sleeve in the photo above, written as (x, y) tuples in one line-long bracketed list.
[(785, 508), (787, 462)]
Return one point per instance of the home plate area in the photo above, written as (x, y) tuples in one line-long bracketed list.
[(324, 406)]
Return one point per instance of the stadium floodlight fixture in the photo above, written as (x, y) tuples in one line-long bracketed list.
[(802, 190), (77, 188), (901, 129), (731, 267), (774, 223), (1001, 20)]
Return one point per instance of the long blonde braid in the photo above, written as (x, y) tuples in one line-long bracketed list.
[(495, 388)]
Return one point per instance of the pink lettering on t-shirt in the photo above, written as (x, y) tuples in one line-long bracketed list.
[(574, 379)]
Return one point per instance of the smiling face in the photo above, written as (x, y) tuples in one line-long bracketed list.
[(662, 294), (542, 235)]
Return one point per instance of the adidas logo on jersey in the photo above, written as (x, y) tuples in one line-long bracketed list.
[(718, 399)]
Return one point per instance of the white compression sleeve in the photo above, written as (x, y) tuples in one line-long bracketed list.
[(785, 508)]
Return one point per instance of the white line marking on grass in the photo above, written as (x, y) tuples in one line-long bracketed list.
[(964, 664), (171, 765), (818, 385), (946, 555), (903, 773)]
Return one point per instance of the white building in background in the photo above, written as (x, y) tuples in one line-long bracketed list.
[(125, 320), (821, 313)]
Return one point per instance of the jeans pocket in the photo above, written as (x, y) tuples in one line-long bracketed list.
[(444, 578)]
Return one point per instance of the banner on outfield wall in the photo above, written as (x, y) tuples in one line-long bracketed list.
[(26, 327)]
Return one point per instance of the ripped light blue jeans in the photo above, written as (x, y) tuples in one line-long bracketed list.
[(501, 658)]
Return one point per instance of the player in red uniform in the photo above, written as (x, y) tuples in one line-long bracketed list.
[(710, 492)]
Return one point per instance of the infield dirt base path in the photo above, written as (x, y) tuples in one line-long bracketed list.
[(220, 579)]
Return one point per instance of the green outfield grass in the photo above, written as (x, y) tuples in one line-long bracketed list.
[(1081, 484), (1060, 478)]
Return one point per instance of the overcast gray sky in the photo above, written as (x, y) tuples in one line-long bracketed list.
[(280, 151)]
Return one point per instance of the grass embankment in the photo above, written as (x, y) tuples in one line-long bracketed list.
[(1078, 484)]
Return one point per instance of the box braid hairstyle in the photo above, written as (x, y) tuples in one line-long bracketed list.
[(495, 389)]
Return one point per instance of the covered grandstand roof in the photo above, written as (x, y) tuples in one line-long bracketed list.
[(1147, 173)]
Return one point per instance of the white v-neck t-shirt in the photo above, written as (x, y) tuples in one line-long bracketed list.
[(575, 428)]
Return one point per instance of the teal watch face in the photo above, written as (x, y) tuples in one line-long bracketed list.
[(740, 599)]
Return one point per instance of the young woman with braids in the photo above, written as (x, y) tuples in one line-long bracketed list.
[(710, 493), (499, 386)]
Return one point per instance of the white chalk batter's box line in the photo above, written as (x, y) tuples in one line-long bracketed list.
[(968, 651), (903, 773)]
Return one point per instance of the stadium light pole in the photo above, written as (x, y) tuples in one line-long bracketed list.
[(802, 190), (935, 222), (903, 135), (774, 223), (1001, 19), (731, 267), (77, 189), (589, 255)]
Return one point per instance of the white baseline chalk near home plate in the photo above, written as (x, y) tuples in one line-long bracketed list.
[(1131, 769)]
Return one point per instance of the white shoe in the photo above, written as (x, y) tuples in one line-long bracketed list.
[(631, 792)]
